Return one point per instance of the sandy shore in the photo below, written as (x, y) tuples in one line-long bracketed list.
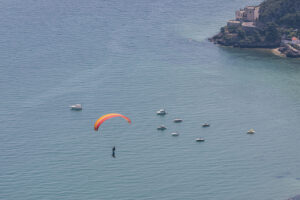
[(273, 51), (277, 52)]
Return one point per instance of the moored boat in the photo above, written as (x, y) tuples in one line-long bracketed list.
[(205, 125), (161, 128), (175, 134), (200, 139), (177, 120), (251, 131), (161, 112), (76, 107)]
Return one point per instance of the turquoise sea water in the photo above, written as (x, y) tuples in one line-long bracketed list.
[(135, 57)]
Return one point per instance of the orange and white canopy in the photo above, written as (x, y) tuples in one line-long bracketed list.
[(108, 116)]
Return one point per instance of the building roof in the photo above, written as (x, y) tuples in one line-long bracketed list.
[(248, 24), (234, 21), (251, 7)]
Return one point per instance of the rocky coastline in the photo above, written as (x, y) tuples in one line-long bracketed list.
[(289, 51), (279, 47), (234, 40), (259, 27)]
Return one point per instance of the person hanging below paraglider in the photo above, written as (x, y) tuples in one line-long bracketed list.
[(113, 152), (106, 117)]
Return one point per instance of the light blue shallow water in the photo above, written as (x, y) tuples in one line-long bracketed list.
[(135, 57)]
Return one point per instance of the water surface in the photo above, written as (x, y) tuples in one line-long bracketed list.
[(135, 57)]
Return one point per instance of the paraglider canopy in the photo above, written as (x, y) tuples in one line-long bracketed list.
[(108, 116)]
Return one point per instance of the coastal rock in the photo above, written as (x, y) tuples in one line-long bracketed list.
[(249, 40), (269, 25), (289, 51)]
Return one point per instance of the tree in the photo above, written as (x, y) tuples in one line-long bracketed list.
[(241, 33), (281, 12), (222, 30), (271, 32)]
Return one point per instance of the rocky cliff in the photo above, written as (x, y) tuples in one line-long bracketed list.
[(278, 22)]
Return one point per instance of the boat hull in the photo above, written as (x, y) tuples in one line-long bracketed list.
[(177, 120)]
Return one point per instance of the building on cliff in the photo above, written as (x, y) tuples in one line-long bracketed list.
[(233, 23), (246, 17), (248, 25), (248, 14)]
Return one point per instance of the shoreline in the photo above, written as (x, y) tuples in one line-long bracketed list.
[(274, 51), (278, 53), (283, 50)]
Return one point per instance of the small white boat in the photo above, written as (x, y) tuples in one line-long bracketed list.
[(175, 134), (205, 125), (177, 120), (161, 112), (251, 131), (161, 128), (76, 107), (200, 140)]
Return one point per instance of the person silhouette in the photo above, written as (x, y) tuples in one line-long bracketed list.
[(113, 152)]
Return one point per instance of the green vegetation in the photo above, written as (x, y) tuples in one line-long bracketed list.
[(290, 32), (285, 13), (271, 32), (278, 19), (238, 36)]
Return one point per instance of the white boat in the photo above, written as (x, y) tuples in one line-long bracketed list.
[(175, 134), (177, 120), (205, 125), (76, 107), (251, 131), (200, 140), (161, 128), (161, 112)]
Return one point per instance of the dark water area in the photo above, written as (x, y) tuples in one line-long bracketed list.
[(135, 57)]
